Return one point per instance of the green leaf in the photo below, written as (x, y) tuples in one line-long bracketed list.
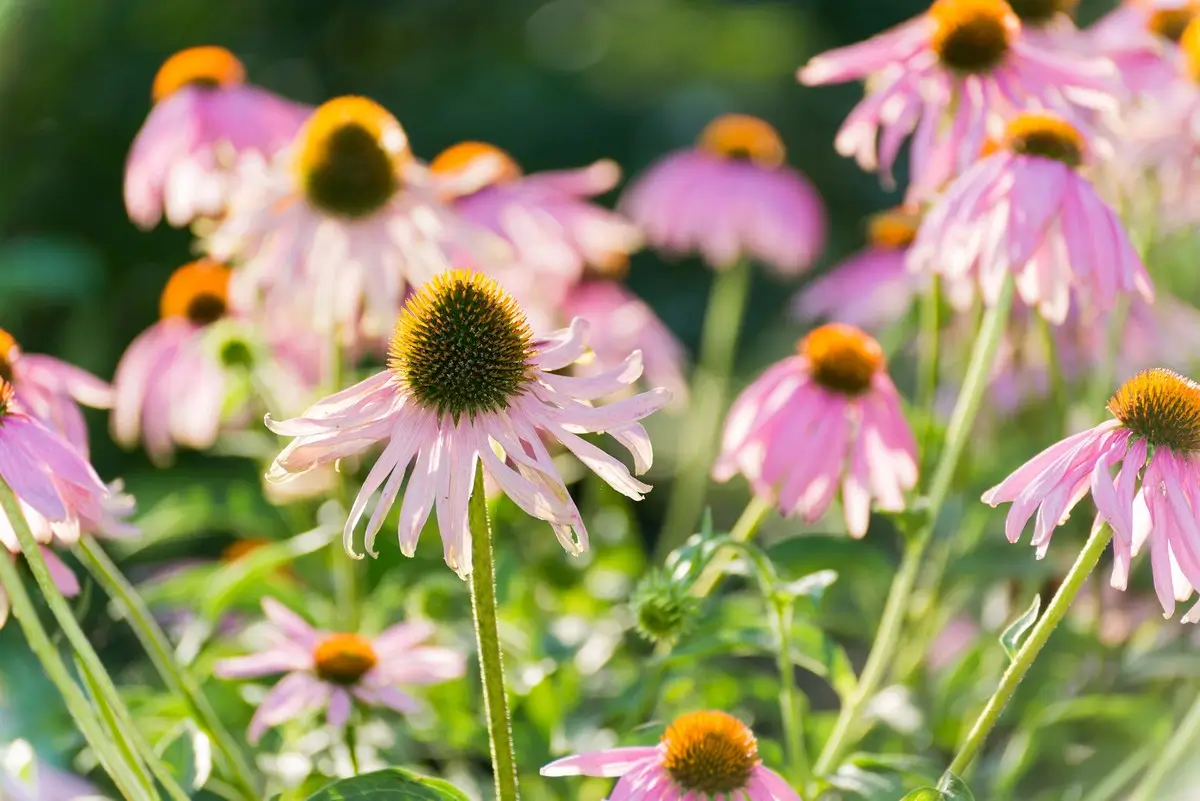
[(954, 788), (187, 753), (688, 559), (925, 794), (392, 784), (1011, 638), (812, 586)]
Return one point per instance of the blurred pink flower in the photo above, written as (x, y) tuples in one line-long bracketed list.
[(954, 74), (330, 671), (872, 288), (56, 488), (465, 378), (1154, 434), (833, 402), (51, 390), (337, 225), (1141, 37), (47, 783), (204, 117), (703, 756), (621, 323), (1025, 210), (548, 218), (731, 197)]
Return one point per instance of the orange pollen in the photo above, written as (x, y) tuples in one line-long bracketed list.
[(239, 548), (709, 753), (1190, 43), (972, 36), (842, 358), (894, 229), (1172, 23), (209, 67), (742, 137), (197, 292), (344, 658), (9, 353), (349, 156), (1047, 136), (478, 164), (1163, 407)]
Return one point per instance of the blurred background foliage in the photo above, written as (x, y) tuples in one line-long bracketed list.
[(558, 84)]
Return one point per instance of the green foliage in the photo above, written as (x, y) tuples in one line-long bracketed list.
[(392, 784)]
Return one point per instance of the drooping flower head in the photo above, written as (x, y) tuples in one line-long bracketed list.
[(702, 756), (205, 116), (466, 383), (56, 488), (834, 403), (548, 218), (1026, 211), (621, 323), (52, 390), (872, 288), (730, 197), (330, 671), (1153, 441), (952, 77), (339, 223)]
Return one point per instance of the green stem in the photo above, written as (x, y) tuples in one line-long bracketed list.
[(352, 746), (82, 713), (793, 722), (930, 359), (1057, 382), (1178, 747), (883, 650), (1027, 653), (178, 680), (744, 529), (487, 638), (698, 434)]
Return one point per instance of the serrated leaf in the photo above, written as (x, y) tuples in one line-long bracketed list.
[(393, 784), (954, 788), (925, 794), (1010, 639)]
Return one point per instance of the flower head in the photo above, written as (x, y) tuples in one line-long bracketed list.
[(729, 198), (330, 671), (52, 390), (56, 489), (965, 63), (204, 117), (872, 288), (548, 218), (1024, 210), (466, 383), (834, 402), (340, 222), (702, 756), (1154, 438)]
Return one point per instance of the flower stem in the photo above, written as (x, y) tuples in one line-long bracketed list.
[(793, 722), (178, 680), (930, 359), (128, 780), (698, 434), (124, 732), (352, 746), (883, 650), (343, 571), (487, 638), (744, 529), (1027, 653), (1179, 746)]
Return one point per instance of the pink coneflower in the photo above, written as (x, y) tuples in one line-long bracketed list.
[(621, 323), (467, 382), (547, 217), (1142, 37), (1026, 211), (51, 390), (330, 671), (729, 198), (703, 756), (953, 74), (1155, 436), (872, 288), (169, 388), (834, 402), (204, 117), (340, 223), (56, 487)]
